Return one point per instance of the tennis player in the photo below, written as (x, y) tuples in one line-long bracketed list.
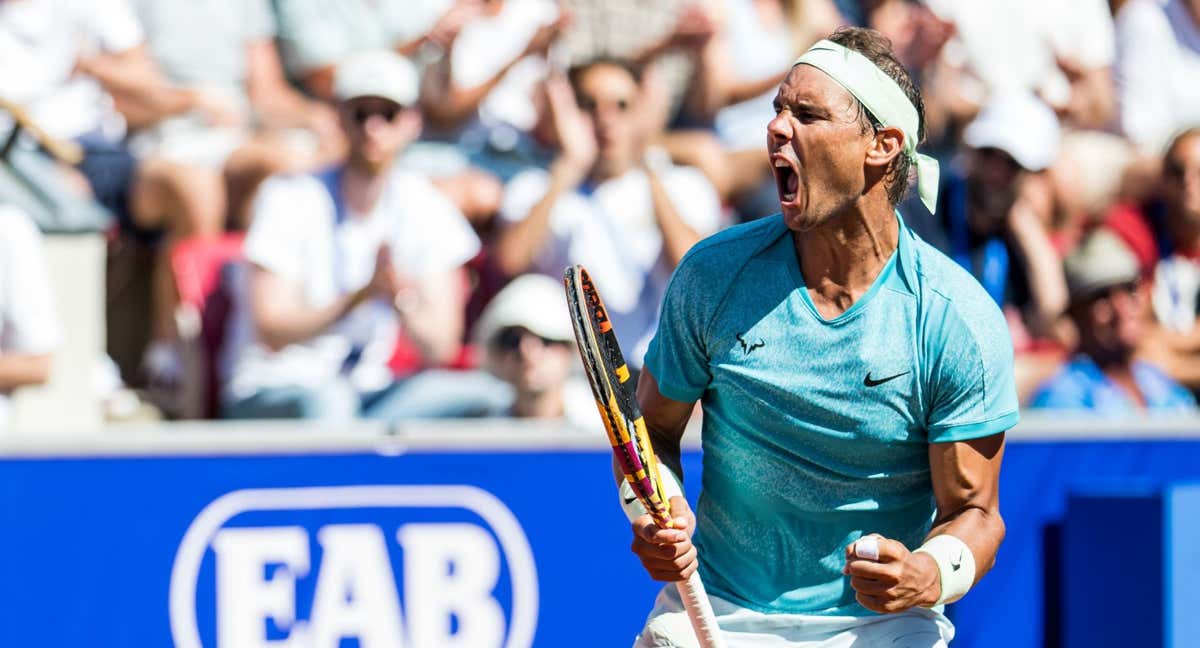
[(856, 387)]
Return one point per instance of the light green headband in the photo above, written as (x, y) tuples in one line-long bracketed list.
[(883, 98)]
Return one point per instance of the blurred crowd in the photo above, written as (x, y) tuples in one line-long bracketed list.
[(363, 208)]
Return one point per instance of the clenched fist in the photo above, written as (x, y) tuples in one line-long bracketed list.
[(667, 554), (888, 577)]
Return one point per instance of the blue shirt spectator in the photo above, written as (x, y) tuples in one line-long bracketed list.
[(1107, 306), (1081, 385)]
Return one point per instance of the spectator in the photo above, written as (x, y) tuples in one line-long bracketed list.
[(488, 73), (340, 261), (997, 214), (671, 48), (682, 82), (1175, 343), (70, 62), (606, 202), (1158, 69), (1060, 50), (227, 49), (480, 95), (317, 35), (1107, 306), (530, 345), (1177, 277), (28, 329)]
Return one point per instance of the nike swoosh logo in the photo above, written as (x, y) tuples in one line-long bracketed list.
[(629, 500), (957, 563), (870, 382)]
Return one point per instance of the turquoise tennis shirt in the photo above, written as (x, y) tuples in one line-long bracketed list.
[(816, 431)]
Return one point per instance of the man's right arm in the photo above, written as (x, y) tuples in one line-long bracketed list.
[(666, 419), (666, 554)]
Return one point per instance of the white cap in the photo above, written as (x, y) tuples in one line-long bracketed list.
[(377, 73), (535, 302), (1101, 261), (1019, 124)]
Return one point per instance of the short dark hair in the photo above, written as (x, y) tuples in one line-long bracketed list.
[(1171, 165), (575, 72), (878, 50)]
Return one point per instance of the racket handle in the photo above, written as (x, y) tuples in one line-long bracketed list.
[(699, 611)]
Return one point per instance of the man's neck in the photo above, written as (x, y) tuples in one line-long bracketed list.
[(841, 258), (602, 172), (539, 405), (362, 186)]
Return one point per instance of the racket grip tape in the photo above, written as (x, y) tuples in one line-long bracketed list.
[(700, 612)]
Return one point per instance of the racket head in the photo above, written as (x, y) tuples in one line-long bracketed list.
[(612, 385)]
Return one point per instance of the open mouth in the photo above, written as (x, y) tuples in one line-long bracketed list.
[(787, 179)]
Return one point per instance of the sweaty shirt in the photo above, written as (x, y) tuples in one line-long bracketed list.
[(816, 431)]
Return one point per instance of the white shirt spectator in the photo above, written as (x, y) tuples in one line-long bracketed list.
[(487, 43), (40, 43), (27, 321), (1175, 291), (1011, 46), (204, 43), (611, 230), (1158, 71), (297, 234)]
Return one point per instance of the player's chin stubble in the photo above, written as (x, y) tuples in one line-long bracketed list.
[(797, 215)]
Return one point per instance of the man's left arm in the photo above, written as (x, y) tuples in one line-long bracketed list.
[(960, 548)]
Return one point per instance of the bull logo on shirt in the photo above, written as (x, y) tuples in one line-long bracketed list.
[(747, 347)]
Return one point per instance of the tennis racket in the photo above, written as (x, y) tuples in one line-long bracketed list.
[(609, 376)]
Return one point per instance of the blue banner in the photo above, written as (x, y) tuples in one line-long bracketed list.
[(507, 549), (431, 549)]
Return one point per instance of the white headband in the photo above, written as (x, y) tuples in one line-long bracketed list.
[(883, 98)]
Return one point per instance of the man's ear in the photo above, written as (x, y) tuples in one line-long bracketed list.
[(885, 147)]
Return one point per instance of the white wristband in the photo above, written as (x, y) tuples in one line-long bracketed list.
[(629, 501), (956, 565)]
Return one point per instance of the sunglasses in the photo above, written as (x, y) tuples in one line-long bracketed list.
[(508, 340), (588, 104), (361, 114)]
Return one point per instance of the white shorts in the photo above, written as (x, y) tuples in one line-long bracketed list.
[(668, 627)]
